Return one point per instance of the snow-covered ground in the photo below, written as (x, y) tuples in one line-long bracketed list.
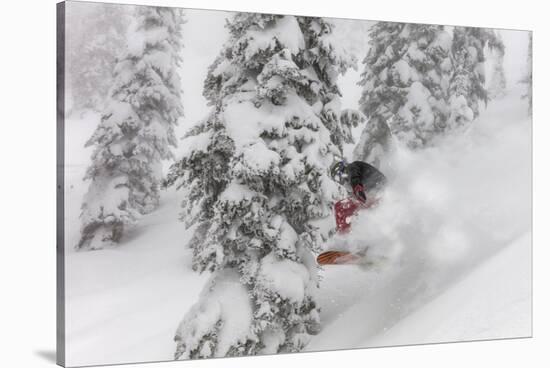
[(490, 301), (123, 304), (493, 301)]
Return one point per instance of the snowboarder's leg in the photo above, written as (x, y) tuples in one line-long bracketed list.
[(343, 212)]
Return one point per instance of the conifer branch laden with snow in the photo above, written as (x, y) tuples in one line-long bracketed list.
[(420, 83), (467, 88), (528, 78), (497, 84), (255, 173), (406, 77), (136, 129)]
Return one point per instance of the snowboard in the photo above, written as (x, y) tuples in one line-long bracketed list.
[(345, 258), (344, 211), (339, 257)]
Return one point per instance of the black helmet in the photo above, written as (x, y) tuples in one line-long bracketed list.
[(338, 171)]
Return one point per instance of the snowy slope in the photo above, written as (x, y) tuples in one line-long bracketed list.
[(123, 304), (492, 301)]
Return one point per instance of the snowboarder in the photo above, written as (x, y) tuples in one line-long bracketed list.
[(358, 176), (365, 182)]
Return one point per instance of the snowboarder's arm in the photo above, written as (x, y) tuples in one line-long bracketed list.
[(359, 192), (355, 174), (356, 180)]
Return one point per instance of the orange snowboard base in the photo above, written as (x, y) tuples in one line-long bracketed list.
[(337, 257)]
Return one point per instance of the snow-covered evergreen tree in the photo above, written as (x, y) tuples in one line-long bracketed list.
[(497, 83), (96, 34), (136, 128), (467, 87), (257, 185), (528, 78), (405, 84)]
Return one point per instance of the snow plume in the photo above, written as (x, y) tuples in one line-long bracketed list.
[(256, 174), (450, 206)]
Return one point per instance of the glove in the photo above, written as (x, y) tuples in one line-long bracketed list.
[(359, 193)]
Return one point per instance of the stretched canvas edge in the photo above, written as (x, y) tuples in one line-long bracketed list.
[(60, 193)]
